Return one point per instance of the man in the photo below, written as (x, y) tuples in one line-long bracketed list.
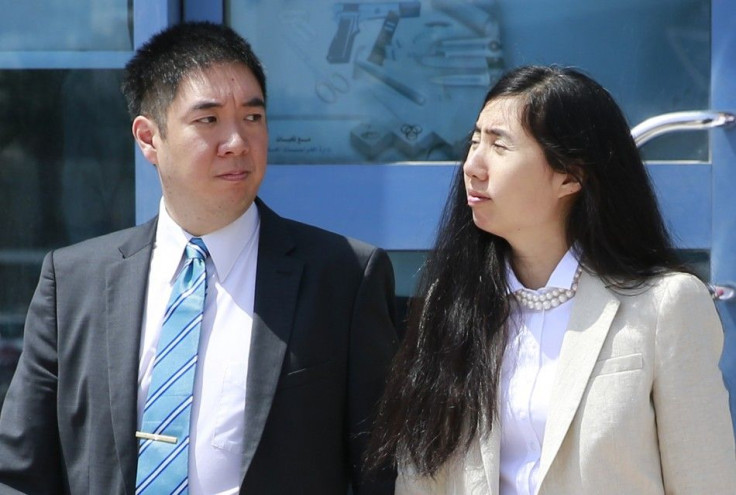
[(295, 331)]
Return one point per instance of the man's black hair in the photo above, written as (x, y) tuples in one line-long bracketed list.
[(153, 75)]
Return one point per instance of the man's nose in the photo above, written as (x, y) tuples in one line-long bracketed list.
[(235, 142)]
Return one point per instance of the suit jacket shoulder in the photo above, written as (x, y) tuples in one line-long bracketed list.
[(312, 243), (113, 245)]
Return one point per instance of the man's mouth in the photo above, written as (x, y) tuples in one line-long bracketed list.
[(234, 175)]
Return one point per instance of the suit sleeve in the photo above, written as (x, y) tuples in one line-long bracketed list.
[(694, 428), (29, 439), (373, 342)]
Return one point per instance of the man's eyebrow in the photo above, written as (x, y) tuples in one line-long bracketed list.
[(256, 101), (205, 105), (208, 104)]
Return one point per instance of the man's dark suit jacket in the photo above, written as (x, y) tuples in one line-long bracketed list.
[(323, 336)]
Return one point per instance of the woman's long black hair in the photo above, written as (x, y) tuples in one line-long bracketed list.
[(443, 388)]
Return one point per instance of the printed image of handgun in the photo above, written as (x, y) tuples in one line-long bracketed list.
[(349, 15)]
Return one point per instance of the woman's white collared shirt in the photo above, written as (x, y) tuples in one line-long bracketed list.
[(527, 372)]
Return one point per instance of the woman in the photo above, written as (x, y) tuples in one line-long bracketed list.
[(559, 348)]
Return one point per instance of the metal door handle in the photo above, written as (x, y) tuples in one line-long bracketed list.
[(688, 121), (722, 292), (680, 121)]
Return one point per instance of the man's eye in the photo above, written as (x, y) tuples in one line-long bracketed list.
[(254, 117), (207, 120)]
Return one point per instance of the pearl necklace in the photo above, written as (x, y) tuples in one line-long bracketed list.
[(550, 299)]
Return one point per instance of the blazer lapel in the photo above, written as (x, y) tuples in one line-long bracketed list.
[(593, 311), (490, 452), (125, 299), (277, 287)]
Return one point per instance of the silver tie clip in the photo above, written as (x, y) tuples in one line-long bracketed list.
[(155, 438)]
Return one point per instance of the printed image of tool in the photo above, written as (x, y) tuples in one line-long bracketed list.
[(330, 87), (398, 86), (469, 47), (481, 20), (349, 15), (378, 52), (327, 86)]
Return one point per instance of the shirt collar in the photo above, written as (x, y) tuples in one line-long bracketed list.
[(224, 245), (561, 278)]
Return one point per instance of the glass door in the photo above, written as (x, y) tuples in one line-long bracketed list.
[(369, 107), (67, 160), (66, 163)]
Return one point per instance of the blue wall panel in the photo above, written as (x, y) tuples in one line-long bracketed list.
[(684, 194), (394, 206)]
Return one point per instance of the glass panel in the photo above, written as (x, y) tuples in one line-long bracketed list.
[(698, 261), (407, 265), (357, 82), (66, 174), (652, 55), (66, 25), (678, 146)]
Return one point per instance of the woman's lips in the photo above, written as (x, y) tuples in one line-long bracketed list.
[(476, 198)]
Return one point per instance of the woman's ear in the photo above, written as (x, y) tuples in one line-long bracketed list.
[(145, 131), (572, 181), (570, 185)]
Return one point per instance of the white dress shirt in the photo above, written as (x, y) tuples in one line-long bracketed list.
[(218, 410), (527, 372)]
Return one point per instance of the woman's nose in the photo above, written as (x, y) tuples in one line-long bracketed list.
[(474, 166)]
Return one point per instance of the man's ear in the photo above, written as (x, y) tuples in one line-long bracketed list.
[(145, 132)]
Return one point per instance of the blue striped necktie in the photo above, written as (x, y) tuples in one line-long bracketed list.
[(163, 455)]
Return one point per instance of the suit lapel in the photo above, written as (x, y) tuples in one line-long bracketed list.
[(277, 287), (125, 299), (592, 314)]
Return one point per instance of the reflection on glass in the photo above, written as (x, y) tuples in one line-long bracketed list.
[(407, 267), (362, 82), (66, 173), (677, 146), (68, 25), (97, 181)]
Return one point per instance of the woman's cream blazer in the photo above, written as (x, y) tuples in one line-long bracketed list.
[(638, 405)]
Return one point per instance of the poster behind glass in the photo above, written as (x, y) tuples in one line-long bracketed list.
[(372, 82)]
